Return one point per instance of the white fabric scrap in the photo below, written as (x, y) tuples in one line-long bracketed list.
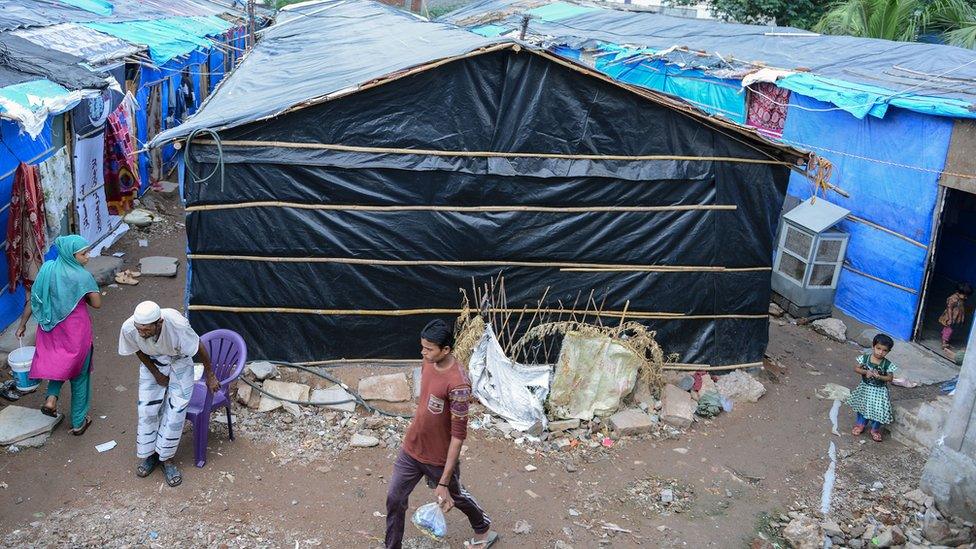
[(764, 75), (511, 390)]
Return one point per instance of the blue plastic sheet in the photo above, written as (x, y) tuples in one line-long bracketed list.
[(713, 95), (557, 11), (167, 38), (862, 99), (869, 157), (27, 94), (18, 147)]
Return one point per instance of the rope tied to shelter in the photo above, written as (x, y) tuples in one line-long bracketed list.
[(819, 171)]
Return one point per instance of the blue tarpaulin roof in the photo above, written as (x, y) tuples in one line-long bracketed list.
[(167, 38), (860, 75)]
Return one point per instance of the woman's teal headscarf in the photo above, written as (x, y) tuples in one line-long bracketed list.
[(61, 283)]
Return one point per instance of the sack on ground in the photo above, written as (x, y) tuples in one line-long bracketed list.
[(430, 520)]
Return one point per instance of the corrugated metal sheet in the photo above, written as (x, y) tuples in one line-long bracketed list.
[(95, 47)]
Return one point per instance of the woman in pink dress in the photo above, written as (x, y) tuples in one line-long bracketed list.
[(59, 300)]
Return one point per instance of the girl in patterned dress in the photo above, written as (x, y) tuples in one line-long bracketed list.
[(870, 400)]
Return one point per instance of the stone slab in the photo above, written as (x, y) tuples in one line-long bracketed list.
[(334, 394), (18, 423), (563, 425), (631, 422), (283, 389), (103, 268), (159, 266), (389, 387), (740, 387), (677, 407)]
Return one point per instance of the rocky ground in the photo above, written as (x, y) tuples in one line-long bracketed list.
[(315, 476)]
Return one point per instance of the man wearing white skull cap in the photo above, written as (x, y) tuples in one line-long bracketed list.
[(165, 344)]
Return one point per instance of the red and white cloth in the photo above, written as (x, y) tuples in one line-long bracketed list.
[(25, 228)]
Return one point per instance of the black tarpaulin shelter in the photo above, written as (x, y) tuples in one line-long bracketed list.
[(373, 162)]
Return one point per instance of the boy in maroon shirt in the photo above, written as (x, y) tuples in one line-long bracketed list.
[(432, 446)]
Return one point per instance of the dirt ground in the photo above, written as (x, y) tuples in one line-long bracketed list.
[(729, 473)]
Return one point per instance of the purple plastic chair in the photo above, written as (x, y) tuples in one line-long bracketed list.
[(228, 353)]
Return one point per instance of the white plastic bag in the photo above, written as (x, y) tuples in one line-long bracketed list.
[(430, 520)]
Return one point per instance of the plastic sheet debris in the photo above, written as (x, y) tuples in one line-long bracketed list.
[(106, 446), (593, 374), (833, 391), (430, 520), (511, 390)]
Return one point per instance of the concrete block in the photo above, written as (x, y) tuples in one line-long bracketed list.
[(950, 477)]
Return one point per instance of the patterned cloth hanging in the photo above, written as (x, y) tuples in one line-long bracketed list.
[(57, 185), (25, 228), (767, 108), (121, 164)]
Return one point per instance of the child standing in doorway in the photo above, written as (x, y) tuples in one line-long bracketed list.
[(870, 399), (955, 312)]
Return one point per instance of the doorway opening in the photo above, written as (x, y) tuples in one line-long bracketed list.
[(954, 264)]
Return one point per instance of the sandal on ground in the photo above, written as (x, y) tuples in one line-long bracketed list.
[(147, 466), (483, 544), (127, 278), (173, 476), (52, 412), (876, 436), (84, 427), (857, 430)]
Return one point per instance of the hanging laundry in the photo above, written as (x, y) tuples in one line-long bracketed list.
[(121, 165), (58, 187), (25, 228), (767, 108), (154, 125)]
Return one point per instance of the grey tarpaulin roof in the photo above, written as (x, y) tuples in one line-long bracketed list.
[(317, 49), (898, 66), (15, 14), (323, 50), (24, 61), (93, 46)]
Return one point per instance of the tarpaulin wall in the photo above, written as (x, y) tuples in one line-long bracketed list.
[(18, 147), (367, 234), (869, 157)]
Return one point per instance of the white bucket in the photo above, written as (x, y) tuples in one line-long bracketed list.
[(20, 363)]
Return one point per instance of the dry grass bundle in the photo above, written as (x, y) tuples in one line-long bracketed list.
[(632, 335), (467, 333)]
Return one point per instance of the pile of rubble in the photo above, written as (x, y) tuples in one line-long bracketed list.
[(316, 433), (866, 513)]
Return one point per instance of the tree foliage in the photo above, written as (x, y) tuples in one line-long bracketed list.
[(793, 13), (954, 21)]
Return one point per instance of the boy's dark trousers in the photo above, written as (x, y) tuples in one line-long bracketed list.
[(407, 472)]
